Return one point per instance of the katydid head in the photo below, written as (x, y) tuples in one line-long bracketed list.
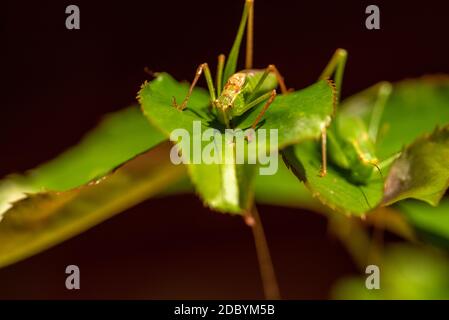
[(352, 149), (362, 171)]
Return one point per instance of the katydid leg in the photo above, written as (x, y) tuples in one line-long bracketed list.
[(250, 36), (219, 78), (387, 162), (335, 67), (271, 68), (323, 152), (264, 109), (258, 100), (231, 63), (279, 77), (383, 92), (199, 71)]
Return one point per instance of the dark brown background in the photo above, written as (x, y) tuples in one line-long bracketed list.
[(56, 83)]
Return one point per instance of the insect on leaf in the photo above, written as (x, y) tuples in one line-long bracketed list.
[(334, 189), (224, 187), (399, 125), (415, 107)]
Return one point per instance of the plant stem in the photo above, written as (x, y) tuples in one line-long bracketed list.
[(377, 243), (267, 273)]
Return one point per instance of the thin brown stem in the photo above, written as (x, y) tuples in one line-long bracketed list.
[(377, 242), (268, 275)]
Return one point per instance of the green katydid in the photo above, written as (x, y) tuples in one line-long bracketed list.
[(349, 144), (243, 90)]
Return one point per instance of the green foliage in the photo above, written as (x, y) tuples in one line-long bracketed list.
[(221, 186), (415, 107), (335, 189), (299, 115), (406, 273), (430, 223), (156, 99), (45, 219), (224, 187), (114, 168), (422, 170), (284, 189), (118, 138), (228, 187)]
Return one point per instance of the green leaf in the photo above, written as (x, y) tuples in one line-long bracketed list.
[(334, 189), (284, 189), (299, 115), (118, 138), (422, 171), (224, 187), (156, 99), (430, 223), (43, 220)]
